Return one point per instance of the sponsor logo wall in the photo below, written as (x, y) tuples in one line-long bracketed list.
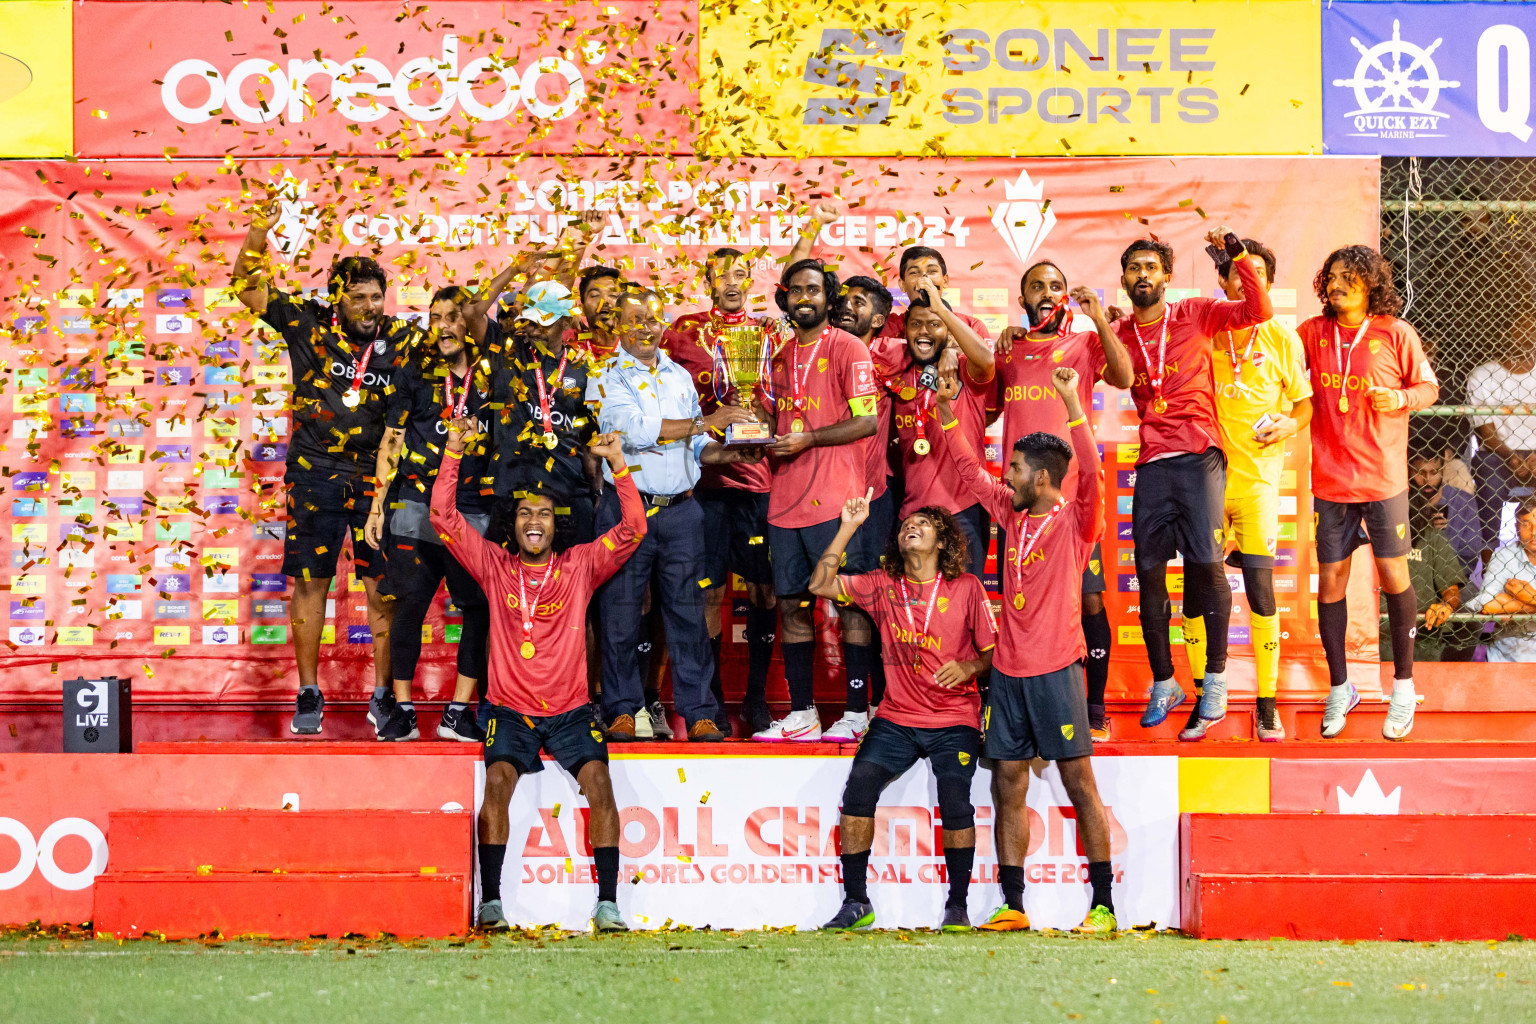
[(1428, 79), (149, 409)]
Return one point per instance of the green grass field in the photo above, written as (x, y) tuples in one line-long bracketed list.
[(766, 976)]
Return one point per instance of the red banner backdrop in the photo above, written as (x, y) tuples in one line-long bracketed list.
[(147, 413), (187, 79)]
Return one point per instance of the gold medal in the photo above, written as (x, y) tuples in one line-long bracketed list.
[(550, 440), (1159, 405), (921, 446), (908, 393), (797, 426), (1343, 403), (1018, 602), (526, 650)]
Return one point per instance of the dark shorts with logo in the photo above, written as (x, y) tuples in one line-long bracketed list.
[(735, 536), (951, 750), (324, 511), (572, 739), (1180, 507), (1036, 716), (795, 550), (1342, 526), (1093, 572)]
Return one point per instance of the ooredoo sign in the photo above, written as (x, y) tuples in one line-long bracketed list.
[(289, 77)]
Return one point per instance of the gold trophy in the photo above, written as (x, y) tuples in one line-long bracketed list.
[(741, 360)]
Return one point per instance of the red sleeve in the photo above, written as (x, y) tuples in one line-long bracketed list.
[(997, 497), (471, 550), (983, 625), (858, 371), (862, 590), (1090, 510), (1419, 381), (1254, 309), (604, 556)]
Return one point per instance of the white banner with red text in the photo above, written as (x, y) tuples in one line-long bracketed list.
[(750, 842)]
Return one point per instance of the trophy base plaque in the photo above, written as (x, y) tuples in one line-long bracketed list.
[(742, 435)]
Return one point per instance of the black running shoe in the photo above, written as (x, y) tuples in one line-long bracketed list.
[(850, 916), (460, 725), (309, 715), (758, 716), (401, 725), (379, 709)]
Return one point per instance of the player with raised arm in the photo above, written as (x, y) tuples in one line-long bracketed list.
[(1026, 358), (342, 352), (1181, 479), (1368, 370), (937, 632), (1036, 705), (1263, 397), (537, 672)]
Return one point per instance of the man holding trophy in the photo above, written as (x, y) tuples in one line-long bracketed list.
[(726, 349)]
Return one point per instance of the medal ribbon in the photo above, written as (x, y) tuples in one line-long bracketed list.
[(797, 380), (1034, 539), (538, 377), (906, 605), (1237, 366), (359, 367), (1342, 357), (522, 597), (456, 409), (1156, 381), (924, 403)]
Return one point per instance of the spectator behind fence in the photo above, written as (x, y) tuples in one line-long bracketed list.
[(1509, 587), (1438, 577), (1434, 501), (1506, 457)]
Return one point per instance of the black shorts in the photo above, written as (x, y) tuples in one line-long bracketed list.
[(1093, 572), (977, 527), (1036, 716), (1179, 507), (324, 511), (795, 550), (951, 750), (1343, 526), (572, 739), (735, 536), (868, 545)]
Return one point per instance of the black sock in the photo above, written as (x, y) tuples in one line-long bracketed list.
[(1101, 875), (855, 876), (1012, 878), (606, 860), (1206, 583), (1152, 583), (957, 864), (799, 660), (1402, 619), (1098, 638), (716, 687), (762, 625), (856, 660), (1332, 624), (491, 857)]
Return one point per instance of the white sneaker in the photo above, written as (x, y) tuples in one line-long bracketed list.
[(643, 728), (848, 729), (1342, 699), (799, 726), (1399, 721)]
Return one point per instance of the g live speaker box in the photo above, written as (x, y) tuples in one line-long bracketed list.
[(98, 716)]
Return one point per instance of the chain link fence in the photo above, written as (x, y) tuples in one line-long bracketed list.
[(1461, 235)]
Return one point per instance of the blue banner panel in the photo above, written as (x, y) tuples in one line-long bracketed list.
[(1428, 79)]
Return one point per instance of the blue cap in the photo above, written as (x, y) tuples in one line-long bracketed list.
[(547, 302)]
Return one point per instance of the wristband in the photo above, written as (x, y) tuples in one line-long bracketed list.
[(619, 474), (1076, 422), (452, 454), (950, 425)]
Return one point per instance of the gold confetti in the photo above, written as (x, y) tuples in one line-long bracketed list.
[(680, 776), (705, 798)]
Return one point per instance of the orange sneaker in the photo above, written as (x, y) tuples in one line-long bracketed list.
[(622, 729), (1006, 919)]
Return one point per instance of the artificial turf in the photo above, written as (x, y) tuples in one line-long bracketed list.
[(766, 976)]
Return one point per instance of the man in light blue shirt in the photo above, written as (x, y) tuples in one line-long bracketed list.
[(651, 402)]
